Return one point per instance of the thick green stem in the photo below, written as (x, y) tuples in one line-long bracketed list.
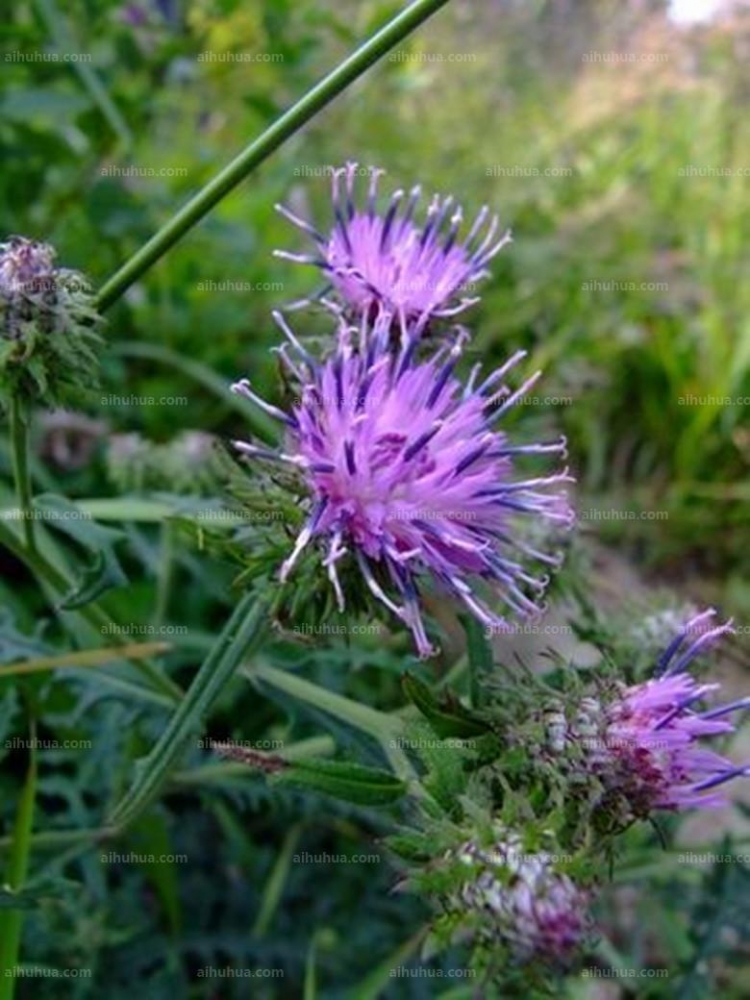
[(241, 635), (282, 129), (19, 443), (11, 920)]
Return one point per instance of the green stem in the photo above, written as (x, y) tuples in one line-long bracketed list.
[(381, 727), (274, 887), (209, 774), (92, 614), (54, 840), (282, 129), (240, 636), (11, 920), (19, 442), (166, 573), (367, 720)]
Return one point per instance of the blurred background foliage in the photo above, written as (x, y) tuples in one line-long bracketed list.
[(627, 282), (626, 276)]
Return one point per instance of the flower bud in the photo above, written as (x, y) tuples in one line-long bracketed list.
[(48, 343)]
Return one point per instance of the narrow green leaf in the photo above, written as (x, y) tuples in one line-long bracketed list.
[(447, 716), (366, 786), (480, 655), (240, 637), (103, 571), (274, 888), (11, 920)]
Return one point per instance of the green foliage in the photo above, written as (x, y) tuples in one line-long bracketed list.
[(624, 283)]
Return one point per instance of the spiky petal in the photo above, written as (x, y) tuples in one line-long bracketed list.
[(409, 475), (655, 730), (389, 262)]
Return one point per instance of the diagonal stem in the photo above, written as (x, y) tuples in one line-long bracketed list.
[(12, 918), (282, 129), (243, 632), (381, 727)]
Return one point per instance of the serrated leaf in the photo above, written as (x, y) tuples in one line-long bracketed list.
[(14, 645), (343, 780), (103, 571), (43, 890), (446, 715)]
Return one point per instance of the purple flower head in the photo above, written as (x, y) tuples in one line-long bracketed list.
[(26, 268), (654, 731), (388, 263), (408, 473), (540, 912)]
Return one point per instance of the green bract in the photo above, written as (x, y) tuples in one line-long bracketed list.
[(48, 339)]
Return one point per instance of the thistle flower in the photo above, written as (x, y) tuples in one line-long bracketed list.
[(653, 731), (388, 263), (521, 899), (406, 471), (47, 320)]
